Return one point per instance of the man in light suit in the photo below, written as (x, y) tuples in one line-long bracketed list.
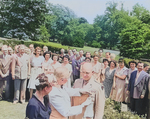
[(5, 61), (137, 88), (20, 72), (99, 102)]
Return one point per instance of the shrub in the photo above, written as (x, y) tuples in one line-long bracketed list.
[(126, 60), (112, 111), (96, 44)]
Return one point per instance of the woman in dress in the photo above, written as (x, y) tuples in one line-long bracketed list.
[(109, 75), (105, 65), (97, 68), (132, 68), (118, 90), (55, 62), (36, 69), (38, 106), (47, 68), (69, 67)]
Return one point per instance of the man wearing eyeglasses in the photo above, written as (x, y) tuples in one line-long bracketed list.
[(95, 110)]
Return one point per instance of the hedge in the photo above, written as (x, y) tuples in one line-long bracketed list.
[(52, 47), (128, 60)]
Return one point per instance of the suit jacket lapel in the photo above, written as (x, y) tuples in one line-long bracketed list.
[(142, 74)]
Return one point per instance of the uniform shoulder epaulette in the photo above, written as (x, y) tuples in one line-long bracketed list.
[(97, 82), (102, 87)]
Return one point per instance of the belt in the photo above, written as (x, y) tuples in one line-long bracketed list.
[(36, 66)]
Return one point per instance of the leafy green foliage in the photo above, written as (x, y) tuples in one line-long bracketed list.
[(111, 24), (113, 111), (141, 13), (95, 44), (58, 19), (82, 20), (44, 35), (116, 28), (135, 40), (73, 34), (22, 19)]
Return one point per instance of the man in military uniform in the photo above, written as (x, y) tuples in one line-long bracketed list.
[(95, 110)]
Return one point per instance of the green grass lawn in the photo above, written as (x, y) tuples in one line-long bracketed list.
[(8, 110)]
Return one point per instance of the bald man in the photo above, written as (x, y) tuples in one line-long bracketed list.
[(99, 102)]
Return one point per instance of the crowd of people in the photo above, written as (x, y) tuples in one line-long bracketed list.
[(71, 84)]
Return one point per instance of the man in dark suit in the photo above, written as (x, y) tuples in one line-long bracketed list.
[(137, 89)]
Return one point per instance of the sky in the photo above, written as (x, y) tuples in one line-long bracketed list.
[(89, 9)]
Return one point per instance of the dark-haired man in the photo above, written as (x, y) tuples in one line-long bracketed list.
[(137, 88), (146, 67)]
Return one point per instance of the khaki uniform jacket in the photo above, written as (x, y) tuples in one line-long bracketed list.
[(99, 102)]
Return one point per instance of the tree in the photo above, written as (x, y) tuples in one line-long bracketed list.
[(44, 35), (74, 34), (135, 40), (23, 18), (95, 44), (3, 12), (141, 13), (82, 20), (107, 24), (58, 19), (111, 24)]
